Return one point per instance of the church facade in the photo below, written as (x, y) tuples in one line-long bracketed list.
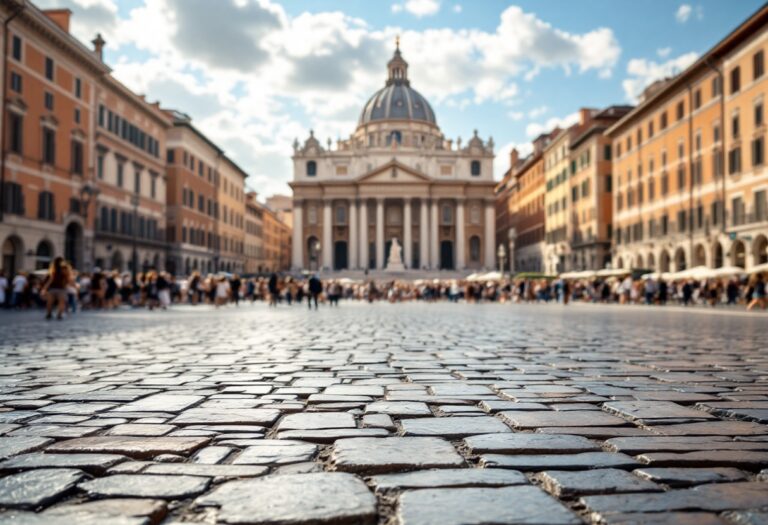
[(396, 181)]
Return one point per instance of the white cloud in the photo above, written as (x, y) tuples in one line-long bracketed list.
[(643, 72), (683, 13), (260, 77), (421, 8), (457, 8), (501, 164), (534, 129), (664, 52), (516, 115), (397, 8), (537, 112)]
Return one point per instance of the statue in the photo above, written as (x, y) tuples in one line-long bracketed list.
[(395, 261)]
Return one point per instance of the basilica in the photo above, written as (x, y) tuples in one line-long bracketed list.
[(395, 182)]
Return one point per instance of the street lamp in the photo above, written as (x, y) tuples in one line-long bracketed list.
[(501, 253), (512, 235), (88, 194)]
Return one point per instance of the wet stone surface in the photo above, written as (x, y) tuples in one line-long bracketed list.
[(357, 415)]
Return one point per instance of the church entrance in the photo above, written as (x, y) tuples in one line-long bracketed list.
[(446, 255), (340, 255)]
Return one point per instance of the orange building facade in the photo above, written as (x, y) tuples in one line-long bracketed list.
[(689, 163), (130, 228), (47, 162)]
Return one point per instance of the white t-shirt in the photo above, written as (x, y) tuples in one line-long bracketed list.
[(19, 283), (222, 290)]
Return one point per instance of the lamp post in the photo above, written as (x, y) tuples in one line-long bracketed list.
[(512, 236), (501, 253), (135, 226)]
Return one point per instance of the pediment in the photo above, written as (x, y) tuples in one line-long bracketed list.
[(393, 172)]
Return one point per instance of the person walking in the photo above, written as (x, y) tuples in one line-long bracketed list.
[(3, 288), (758, 292), (274, 289), (55, 288), (315, 289), (235, 284)]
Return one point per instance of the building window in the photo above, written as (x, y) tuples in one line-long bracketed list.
[(758, 65), (663, 121), (758, 152), (759, 114), (49, 68), (734, 160), (735, 80), (170, 156), (650, 130), (607, 152), (681, 178), (737, 210), (717, 88), (77, 157), (394, 138), (475, 168), (48, 101), (717, 163), (16, 82), (13, 198), (760, 206), (16, 48), (15, 139), (49, 146), (608, 183), (447, 216), (681, 221), (77, 116), (697, 99), (100, 167), (120, 174), (474, 249), (45, 206), (153, 189), (78, 88), (341, 215), (735, 126), (311, 168), (137, 182)]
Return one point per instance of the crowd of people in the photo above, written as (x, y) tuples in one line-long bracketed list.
[(63, 290)]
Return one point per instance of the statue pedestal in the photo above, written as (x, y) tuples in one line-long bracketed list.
[(395, 261), (394, 266)]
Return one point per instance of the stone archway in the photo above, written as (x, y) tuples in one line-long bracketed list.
[(680, 262), (639, 261), (651, 261), (43, 255), (13, 253), (699, 255), (760, 250), (717, 255), (664, 261), (340, 255), (739, 254), (73, 245), (446, 255)]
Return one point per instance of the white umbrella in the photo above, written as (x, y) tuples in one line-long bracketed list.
[(490, 276), (727, 271)]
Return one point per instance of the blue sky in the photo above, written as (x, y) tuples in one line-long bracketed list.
[(255, 74)]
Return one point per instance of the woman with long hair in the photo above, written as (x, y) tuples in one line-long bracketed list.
[(758, 292), (55, 287)]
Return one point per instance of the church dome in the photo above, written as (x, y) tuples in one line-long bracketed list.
[(397, 100)]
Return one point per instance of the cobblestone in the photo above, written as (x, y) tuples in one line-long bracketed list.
[(384, 414)]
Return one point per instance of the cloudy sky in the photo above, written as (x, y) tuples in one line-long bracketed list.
[(256, 74)]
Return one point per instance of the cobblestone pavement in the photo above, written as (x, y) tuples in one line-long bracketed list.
[(379, 414)]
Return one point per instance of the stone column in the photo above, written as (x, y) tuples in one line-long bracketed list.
[(327, 247), (433, 237), (407, 233), (352, 248), (364, 234), (297, 256), (380, 234), (461, 241), (490, 240), (424, 234)]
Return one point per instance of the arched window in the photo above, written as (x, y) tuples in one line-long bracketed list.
[(474, 248), (475, 168), (311, 168), (395, 137)]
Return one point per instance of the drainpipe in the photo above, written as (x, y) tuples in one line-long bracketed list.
[(3, 110)]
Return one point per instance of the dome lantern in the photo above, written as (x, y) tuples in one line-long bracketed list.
[(397, 67)]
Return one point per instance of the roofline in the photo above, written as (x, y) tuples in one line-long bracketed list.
[(234, 165), (731, 40), (34, 15), (160, 115), (181, 123)]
